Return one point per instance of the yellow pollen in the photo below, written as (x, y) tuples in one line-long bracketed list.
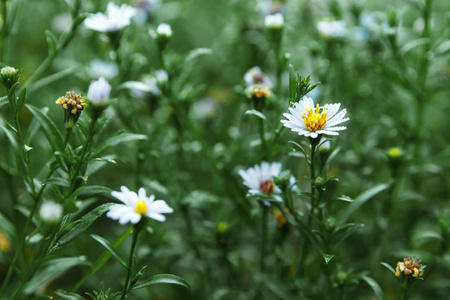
[(314, 120), (141, 208)]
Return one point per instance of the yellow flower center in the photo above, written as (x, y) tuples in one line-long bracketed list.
[(141, 208), (267, 187), (314, 120)]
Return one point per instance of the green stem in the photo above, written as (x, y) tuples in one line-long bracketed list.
[(263, 138), (264, 236), (130, 261), (4, 31)]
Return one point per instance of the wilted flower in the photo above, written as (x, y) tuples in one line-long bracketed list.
[(306, 121), (275, 21), (99, 91), (136, 206), (164, 29), (73, 105), (51, 212), (256, 76), (114, 19), (9, 76), (332, 29), (409, 266), (260, 179)]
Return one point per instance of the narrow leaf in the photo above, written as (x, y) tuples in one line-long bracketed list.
[(256, 113), (389, 267), (52, 41), (83, 224), (162, 278), (51, 132), (117, 139), (327, 257), (108, 247), (375, 287)]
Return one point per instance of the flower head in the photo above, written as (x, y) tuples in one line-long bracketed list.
[(164, 29), (409, 266), (310, 121), (73, 105), (114, 19), (258, 91), (256, 76), (9, 76), (260, 179), (395, 152), (332, 29), (51, 212), (136, 206), (99, 68), (275, 21), (99, 91)]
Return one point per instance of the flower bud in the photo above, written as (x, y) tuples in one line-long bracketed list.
[(9, 76), (73, 105)]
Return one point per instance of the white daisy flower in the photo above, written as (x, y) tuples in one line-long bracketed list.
[(274, 21), (99, 91), (114, 19), (306, 121), (51, 212), (256, 76), (99, 68), (332, 28), (259, 179), (137, 205)]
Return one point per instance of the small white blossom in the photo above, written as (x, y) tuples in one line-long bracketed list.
[(99, 68), (114, 19), (139, 89), (307, 120), (259, 179), (164, 30), (332, 29), (275, 21), (136, 206), (51, 212), (256, 76), (99, 91), (161, 76)]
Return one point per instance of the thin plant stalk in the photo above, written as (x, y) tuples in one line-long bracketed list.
[(265, 210), (130, 261)]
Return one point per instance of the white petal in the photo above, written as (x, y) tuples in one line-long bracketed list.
[(156, 216)]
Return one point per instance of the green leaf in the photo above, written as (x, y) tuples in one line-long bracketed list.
[(375, 287), (443, 48), (413, 44), (193, 54), (53, 77), (389, 267), (8, 229), (103, 258), (53, 269), (162, 278), (91, 190), (21, 100), (84, 223), (51, 132), (255, 113), (41, 298), (327, 257), (117, 139), (57, 181), (52, 42), (292, 85), (360, 200), (108, 247), (68, 296)]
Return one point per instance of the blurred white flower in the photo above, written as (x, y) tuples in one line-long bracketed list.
[(205, 108), (99, 68), (164, 30), (256, 76), (161, 76), (306, 121), (136, 206), (147, 5), (140, 89), (99, 91), (114, 19), (259, 179), (275, 21), (332, 28), (51, 212), (267, 7), (62, 22)]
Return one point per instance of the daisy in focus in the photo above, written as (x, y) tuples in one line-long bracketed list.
[(136, 206), (260, 179), (114, 19), (311, 121)]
